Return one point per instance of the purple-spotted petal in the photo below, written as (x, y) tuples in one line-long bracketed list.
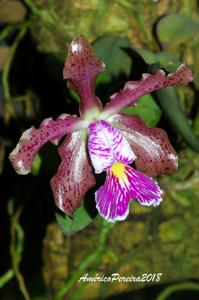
[(155, 155), (149, 83), (81, 69), (107, 145), (123, 184), (33, 139), (74, 176)]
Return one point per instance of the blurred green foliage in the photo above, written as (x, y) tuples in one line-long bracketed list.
[(129, 36), (71, 226), (177, 29)]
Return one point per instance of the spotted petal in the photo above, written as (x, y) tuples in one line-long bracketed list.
[(33, 139), (155, 155), (81, 69), (107, 145), (149, 83), (74, 176), (123, 184)]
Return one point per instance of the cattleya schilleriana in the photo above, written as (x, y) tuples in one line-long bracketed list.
[(104, 138)]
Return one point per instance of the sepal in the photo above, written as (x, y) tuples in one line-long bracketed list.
[(149, 83), (81, 69), (33, 139), (74, 176)]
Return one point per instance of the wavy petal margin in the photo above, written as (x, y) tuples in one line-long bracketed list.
[(149, 83), (123, 184), (82, 67), (74, 176), (107, 145), (33, 139), (155, 155)]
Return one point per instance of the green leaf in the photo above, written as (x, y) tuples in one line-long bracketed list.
[(165, 59), (74, 95), (72, 225), (6, 277), (176, 28), (111, 49), (103, 78), (147, 109), (36, 165), (168, 100)]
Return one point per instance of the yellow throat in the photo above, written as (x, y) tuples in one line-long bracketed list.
[(118, 170)]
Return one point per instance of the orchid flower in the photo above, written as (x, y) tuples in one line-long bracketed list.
[(105, 139)]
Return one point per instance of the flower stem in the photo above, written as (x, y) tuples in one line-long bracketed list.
[(16, 249), (6, 30), (49, 17), (7, 276), (33, 7), (131, 255), (176, 288), (7, 67), (13, 27), (87, 261)]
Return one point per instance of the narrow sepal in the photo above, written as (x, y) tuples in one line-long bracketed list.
[(33, 139), (81, 69), (149, 83), (74, 176), (107, 145), (155, 154)]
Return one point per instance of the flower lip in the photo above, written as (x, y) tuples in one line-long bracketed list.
[(123, 184)]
